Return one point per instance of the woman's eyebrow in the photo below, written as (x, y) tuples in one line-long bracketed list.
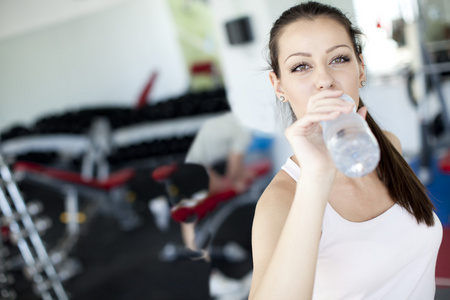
[(335, 47), (306, 54), (298, 54)]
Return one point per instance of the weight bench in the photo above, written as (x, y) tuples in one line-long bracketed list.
[(209, 211), (109, 193), (108, 197)]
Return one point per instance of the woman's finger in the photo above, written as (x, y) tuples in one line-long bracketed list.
[(330, 106), (305, 124), (363, 111)]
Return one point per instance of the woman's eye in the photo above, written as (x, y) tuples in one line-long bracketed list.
[(340, 60), (301, 68)]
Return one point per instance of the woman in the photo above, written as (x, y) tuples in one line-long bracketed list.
[(318, 234)]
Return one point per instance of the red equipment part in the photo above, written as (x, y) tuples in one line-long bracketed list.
[(181, 213), (114, 180)]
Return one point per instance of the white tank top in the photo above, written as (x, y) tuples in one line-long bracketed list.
[(390, 257)]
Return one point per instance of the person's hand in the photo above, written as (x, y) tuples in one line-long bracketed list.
[(305, 135), (363, 112)]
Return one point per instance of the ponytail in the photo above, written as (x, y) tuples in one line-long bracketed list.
[(402, 183)]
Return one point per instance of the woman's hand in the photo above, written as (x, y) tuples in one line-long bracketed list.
[(305, 135)]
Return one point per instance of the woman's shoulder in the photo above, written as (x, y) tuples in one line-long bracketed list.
[(395, 141), (272, 210), (279, 193)]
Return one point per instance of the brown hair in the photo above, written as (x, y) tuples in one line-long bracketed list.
[(403, 185)]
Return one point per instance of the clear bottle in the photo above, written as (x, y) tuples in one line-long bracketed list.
[(353, 147)]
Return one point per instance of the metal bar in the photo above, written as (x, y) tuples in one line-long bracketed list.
[(29, 225)]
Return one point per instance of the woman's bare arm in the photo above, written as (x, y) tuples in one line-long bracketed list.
[(286, 236)]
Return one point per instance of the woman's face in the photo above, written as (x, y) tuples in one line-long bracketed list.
[(314, 56)]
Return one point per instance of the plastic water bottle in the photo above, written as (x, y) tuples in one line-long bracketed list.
[(353, 147)]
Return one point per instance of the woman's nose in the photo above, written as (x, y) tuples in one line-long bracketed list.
[(324, 80)]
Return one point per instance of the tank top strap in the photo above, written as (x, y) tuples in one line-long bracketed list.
[(291, 168)]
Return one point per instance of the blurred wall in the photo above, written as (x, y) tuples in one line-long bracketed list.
[(244, 66), (56, 55), (18, 17)]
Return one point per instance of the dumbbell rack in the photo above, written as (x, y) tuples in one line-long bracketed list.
[(23, 228)]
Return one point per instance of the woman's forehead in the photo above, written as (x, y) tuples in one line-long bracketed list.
[(312, 35)]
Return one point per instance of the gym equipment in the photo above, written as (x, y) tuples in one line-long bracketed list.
[(107, 196), (25, 232), (429, 77), (92, 154), (208, 212), (77, 123), (142, 101), (107, 192)]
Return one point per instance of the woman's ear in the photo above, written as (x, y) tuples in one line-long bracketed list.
[(362, 69), (276, 84)]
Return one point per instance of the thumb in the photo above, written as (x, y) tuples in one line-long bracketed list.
[(363, 111)]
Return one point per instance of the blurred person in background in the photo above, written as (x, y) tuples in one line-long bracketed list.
[(220, 146)]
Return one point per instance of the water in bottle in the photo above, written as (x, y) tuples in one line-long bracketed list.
[(353, 147)]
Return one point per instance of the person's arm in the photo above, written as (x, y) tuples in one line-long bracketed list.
[(286, 235), (236, 172), (217, 182), (234, 165)]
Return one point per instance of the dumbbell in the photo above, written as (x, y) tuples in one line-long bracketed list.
[(188, 106), (14, 132)]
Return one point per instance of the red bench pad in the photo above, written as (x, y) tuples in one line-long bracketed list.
[(114, 180), (207, 205), (164, 172)]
